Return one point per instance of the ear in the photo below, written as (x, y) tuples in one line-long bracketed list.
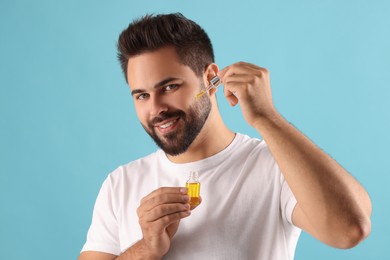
[(210, 72)]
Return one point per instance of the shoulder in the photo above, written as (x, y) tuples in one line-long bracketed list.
[(251, 145), (255, 152), (134, 168)]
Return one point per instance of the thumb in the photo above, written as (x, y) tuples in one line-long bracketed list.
[(232, 99), (230, 96)]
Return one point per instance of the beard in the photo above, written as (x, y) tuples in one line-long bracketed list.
[(178, 141)]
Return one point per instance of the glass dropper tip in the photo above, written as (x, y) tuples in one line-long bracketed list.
[(214, 83)]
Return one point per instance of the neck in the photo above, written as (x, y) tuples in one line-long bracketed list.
[(213, 138)]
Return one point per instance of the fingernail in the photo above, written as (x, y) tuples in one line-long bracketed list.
[(186, 198), (183, 190)]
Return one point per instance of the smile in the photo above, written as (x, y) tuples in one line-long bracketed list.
[(167, 125)]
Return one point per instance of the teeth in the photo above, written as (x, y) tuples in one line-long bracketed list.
[(167, 124)]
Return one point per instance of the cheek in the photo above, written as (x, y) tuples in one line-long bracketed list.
[(185, 101), (180, 103)]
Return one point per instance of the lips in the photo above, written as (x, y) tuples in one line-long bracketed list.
[(167, 125)]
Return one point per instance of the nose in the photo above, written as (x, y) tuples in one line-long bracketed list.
[(157, 106)]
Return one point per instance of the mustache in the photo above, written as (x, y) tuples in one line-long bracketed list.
[(166, 115)]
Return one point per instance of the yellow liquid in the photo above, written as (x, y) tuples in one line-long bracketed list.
[(194, 193), (200, 94)]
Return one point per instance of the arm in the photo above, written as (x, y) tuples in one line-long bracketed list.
[(332, 206), (137, 251), (159, 215)]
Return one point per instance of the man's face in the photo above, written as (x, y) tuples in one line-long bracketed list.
[(164, 93)]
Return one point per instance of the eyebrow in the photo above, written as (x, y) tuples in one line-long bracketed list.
[(157, 85)]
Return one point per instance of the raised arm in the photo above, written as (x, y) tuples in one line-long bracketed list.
[(332, 206)]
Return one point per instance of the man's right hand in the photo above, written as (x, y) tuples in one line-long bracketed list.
[(159, 215)]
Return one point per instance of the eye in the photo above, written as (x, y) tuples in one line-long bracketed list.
[(170, 87), (142, 96)]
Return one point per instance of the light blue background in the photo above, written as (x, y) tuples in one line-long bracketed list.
[(67, 118)]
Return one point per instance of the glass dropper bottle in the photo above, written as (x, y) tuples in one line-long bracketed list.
[(193, 188)]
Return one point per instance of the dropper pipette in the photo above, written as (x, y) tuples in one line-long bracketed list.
[(214, 83)]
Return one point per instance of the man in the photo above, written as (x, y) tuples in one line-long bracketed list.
[(256, 195)]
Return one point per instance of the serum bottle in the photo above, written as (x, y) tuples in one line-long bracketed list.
[(193, 187)]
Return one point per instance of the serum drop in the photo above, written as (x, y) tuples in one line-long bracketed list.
[(193, 187)]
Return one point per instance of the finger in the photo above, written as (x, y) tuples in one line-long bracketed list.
[(160, 199), (231, 87), (240, 68), (238, 87), (160, 224), (238, 82), (230, 96), (164, 190), (235, 68), (221, 73), (231, 82), (167, 220), (163, 210), (246, 66)]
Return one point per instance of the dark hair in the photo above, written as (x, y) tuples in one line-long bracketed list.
[(152, 32)]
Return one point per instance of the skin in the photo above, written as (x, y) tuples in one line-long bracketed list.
[(332, 206)]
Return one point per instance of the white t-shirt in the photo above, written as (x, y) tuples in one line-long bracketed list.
[(245, 211)]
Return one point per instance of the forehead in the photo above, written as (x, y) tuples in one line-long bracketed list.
[(146, 69)]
